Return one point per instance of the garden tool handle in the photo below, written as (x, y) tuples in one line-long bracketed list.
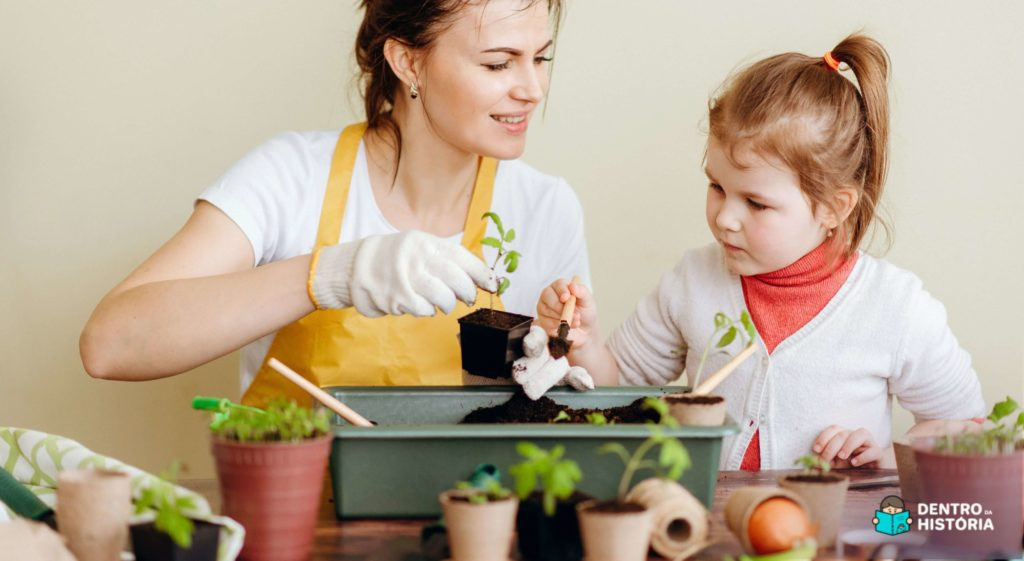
[(20, 499), (570, 305), (323, 397), (716, 378)]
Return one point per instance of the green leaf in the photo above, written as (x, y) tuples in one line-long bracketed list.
[(1002, 409), (497, 222), (727, 338), (721, 320), (597, 418), (562, 416), (674, 457), (615, 448), (656, 404), (748, 325), (529, 450), (510, 235), (1020, 420), (493, 242), (512, 261), (526, 478), (502, 286)]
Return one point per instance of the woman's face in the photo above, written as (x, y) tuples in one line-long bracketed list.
[(483, 76), (759, 214)]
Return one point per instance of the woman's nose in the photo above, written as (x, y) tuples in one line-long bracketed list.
[(531, 84)]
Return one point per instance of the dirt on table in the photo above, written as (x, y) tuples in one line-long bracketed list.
[(521, 409)]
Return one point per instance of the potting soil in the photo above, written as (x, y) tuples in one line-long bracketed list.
[(521, 409)]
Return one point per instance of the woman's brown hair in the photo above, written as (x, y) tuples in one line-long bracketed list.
[(412, 23), (833, 135)]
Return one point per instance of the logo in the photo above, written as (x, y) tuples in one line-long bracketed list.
[(892, 517)]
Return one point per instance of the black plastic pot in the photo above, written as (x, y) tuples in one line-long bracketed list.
[(491, 341), (555, 538), (150, 544)]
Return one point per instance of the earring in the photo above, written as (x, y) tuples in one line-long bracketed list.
[(830, 232), (414, 90)]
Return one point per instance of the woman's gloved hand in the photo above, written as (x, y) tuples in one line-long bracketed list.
[(537, 372), (405, 273)]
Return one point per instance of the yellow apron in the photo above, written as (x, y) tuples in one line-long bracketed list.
[(343, 347)]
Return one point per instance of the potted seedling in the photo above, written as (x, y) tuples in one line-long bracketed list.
[(271, 465), (172, 535), (491, 339), (980, 467), (481, 522), (619, 529), (823, 492), (546, 485), (697, 408), (770, 521)]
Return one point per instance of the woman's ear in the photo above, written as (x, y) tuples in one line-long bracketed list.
[(844, 201), (403, 62)]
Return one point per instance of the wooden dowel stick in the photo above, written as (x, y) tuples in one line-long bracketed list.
[(323, 397), (713, 380)]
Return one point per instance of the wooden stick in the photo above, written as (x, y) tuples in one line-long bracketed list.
[(570, 305), (323, 397), (713, 380)]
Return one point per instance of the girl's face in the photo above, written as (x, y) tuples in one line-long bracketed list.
[(758, 212), (484, 76)]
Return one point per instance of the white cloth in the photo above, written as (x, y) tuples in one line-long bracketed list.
[(275, 194), (881, 335), (537, 372)]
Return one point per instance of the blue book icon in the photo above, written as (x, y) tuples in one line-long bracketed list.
[(892, 524)]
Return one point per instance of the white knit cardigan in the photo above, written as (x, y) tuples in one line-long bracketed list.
[(881, 335)]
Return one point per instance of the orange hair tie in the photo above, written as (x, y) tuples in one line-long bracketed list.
[(831, 61)]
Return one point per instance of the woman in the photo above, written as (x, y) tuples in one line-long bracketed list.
[(310, 235)]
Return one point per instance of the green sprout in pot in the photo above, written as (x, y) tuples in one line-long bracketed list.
[(726, 331), (282, 421), (170, 508), (492, 491), (813, 465), (557, 476), (510, 258), (561, 416), (1003, 435), (673, 458), (597, 418)]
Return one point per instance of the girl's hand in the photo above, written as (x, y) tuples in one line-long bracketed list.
[(846, 448), (584, 320)]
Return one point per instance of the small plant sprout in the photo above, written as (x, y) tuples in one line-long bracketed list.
[(492, 491), (1003, 435), (673, 459), (557, 477), (281, 421), (813, 465), (726, 331), (170, 508), (510, 258), (561, 416), (597, 418)]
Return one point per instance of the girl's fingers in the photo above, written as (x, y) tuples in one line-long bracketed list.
[(869, 455), (834, 445), (853, 442), (824, 438)]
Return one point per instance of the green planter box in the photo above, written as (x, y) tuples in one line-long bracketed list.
[(398, 468)]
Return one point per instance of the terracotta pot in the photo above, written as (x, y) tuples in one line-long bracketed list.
[(489, 350), (479, 532), (150, 544), (992, 482), (549, 538), (825, 497), (273, 490), (615, 531), (697, 410), (744, 501)]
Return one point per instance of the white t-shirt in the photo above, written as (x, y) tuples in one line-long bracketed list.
[(276, 191)]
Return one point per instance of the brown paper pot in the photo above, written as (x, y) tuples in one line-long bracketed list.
[(93, 507), (479, 532), (680, 522), (614, 536), (742, 503), (995, 483), (273, 490), (697, 410), (906, 466), (825, 500)]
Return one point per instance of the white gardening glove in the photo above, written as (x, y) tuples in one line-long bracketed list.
[(537, 372), (405, 273)]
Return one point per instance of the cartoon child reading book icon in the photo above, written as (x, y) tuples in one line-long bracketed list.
[(892, 517)]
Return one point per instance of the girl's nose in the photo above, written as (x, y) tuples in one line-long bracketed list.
[(726, 219)]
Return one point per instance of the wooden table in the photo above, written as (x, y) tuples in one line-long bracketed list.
[(399, 540)]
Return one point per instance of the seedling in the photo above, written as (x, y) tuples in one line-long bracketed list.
[(170, 508), (1003, 436), (492, 491), (813, 465), (282, 421), (597, 419), (557, 477), (727, 330), (510, 258), (673, 459), (561, 416)]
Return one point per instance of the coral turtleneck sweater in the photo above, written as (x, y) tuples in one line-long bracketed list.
[(782, 302)]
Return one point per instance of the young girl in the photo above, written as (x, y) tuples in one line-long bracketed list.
[(796, 160)]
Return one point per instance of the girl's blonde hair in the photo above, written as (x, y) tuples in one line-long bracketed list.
[(800, 110)]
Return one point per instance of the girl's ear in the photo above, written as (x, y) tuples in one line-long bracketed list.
[(403, 61), (844, 201)]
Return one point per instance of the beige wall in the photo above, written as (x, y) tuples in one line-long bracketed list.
[(115, 114)]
